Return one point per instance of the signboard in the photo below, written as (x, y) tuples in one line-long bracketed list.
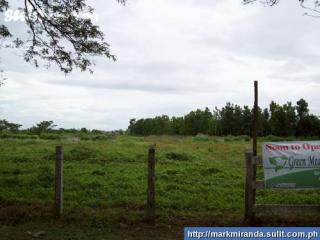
[(291, 164)]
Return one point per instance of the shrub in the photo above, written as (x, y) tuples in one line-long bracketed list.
[(228, 138), (119, 157), (209, 171), (201, 137), (313, 138), (50, 136), (17, 136), (178, 156), (291, 138), (12, 182), (101, 138), (274, 138), (49, 156), (246, 138), (45, 177), (98, 172), (16, 171), (20, 159), (216, 140), (94, 185), (80, 153), (85, 138)]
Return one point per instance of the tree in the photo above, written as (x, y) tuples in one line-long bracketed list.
[(312, 7), (228, 119), (7, 126), (291, 118), (232, 119), (307, 125), (216, 122), (265, 124), (302, 109), (311, 126), (84, 130), (246, 121), (177, 125), (59, 34), (282, 119), (43, 127)]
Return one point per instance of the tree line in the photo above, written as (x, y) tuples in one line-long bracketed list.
[(48, 127), (278, 120)]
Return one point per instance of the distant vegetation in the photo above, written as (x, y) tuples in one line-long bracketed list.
[(278, 120), (49, 131)]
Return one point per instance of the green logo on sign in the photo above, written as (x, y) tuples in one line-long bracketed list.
[(278, 162)]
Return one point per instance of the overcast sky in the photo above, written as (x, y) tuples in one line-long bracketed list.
[(173, 57)]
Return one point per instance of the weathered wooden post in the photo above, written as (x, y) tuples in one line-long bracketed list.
[(255, 135), (255, 120), (250, 154), (151, 205), (58, 203), (249, 187)]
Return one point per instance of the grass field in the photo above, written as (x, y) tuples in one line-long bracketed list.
[(199, 181)]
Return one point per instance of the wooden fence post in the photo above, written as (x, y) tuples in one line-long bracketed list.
[(249, 188), (58, 203), (151, 205), (255, 120), (255, 137)]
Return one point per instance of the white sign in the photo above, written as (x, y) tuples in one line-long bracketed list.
[(291, 164)]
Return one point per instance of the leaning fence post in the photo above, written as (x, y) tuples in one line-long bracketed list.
[(58, 203), (151, 205), (249, 188)]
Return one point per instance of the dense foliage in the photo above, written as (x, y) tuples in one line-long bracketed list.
[(48, 130), (285, 120), (279, 120), (58, 32)]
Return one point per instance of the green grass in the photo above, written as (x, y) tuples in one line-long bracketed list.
[(196, 177)]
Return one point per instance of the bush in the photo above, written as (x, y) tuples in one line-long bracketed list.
[(178, 156), (20, 159), (209, 171), (12, 182), (245, 138), (80, 153), (291, 138), (98, 172), (201, 137), (50, 136), (313, 138), (119, 157), (85, 138), (216, 140), (229, 138), (101, 138), (273, 138), (45, 177), (17, 136)]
